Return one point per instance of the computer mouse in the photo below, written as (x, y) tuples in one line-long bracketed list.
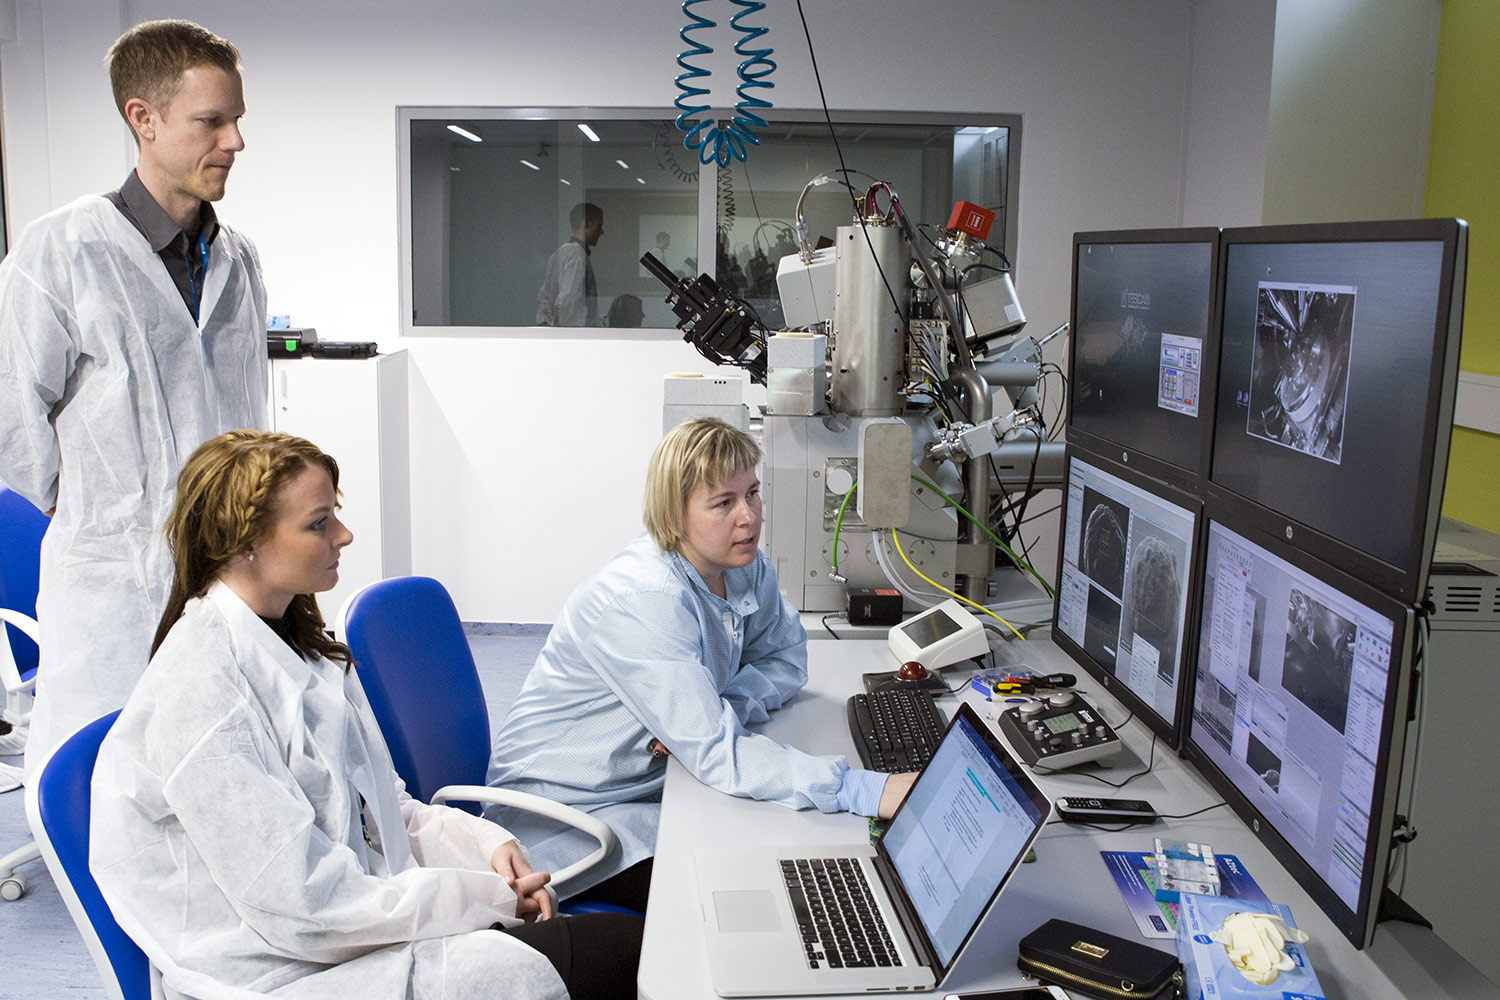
[(911, 670)]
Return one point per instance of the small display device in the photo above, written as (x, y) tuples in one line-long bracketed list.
[(939, 636), (1058, 733)]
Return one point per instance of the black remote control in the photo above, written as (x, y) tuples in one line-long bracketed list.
[(1077, 809)]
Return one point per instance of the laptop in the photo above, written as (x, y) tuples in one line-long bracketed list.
[(916, 897)]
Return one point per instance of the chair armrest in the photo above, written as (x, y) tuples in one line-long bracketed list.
[(10, 677), (576, 818)]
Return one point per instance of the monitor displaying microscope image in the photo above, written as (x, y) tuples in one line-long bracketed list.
[(1125, 574), (1338, 357), (1140, 347), (1300, 680)]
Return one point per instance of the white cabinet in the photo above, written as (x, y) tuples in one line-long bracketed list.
[(356, 411)]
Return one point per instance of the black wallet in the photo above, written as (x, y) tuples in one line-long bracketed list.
[(1096, 964)]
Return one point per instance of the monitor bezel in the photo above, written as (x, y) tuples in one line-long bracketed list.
[(1169, 730), (1407, 581), (1123, 452), (1358, 924)]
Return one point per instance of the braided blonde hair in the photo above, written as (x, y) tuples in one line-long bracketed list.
[(227, 496)]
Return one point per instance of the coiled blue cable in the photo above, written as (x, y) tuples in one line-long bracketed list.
[(703, 135)]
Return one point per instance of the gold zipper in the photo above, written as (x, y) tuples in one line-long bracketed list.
[(1056, 973)]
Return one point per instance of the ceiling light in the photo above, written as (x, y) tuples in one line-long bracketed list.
[(623, 164), (564, 180), (465, 133), (528, 163), (640, 180), (582, 127)]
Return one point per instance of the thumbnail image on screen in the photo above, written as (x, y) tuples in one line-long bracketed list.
[(1330, 365), (1290, 699), (1140, 325), (1126, 564)]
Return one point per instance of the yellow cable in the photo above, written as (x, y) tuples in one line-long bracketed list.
[(896, 541)]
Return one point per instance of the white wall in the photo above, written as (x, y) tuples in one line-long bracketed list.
[(528, 452), (1351, 106)]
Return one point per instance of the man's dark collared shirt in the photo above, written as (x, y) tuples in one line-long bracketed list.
[(178, 250)]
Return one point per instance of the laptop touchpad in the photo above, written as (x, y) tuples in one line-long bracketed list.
[(746, 910)]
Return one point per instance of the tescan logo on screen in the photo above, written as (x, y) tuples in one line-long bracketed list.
[(1134, 300)]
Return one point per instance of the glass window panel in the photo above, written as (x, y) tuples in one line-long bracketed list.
[(930, 161)]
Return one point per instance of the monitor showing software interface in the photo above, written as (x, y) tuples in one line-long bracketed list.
[(1140, 326), (1330, 359), (1290, 699), (1126, 564)]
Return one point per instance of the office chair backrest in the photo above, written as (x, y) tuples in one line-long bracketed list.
[(21, 529), (58, 805), (416, 668)]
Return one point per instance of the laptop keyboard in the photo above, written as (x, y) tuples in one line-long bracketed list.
[(837, 916), (895, 729)]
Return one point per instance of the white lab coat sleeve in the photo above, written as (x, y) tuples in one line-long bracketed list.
[(571, 309), (774, 663), (38, 353), (646, 647), (299, 889), (445, 837)]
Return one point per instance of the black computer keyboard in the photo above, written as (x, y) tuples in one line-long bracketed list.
[(895, 729)]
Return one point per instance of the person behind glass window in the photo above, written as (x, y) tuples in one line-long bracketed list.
[(132, 329), (569, 295), (626, 310), (676, 646), (249, 830)]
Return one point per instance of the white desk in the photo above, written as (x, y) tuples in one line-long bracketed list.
[(1068, 878)]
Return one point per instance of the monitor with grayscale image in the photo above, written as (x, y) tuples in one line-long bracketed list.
[(1125, 573), (1338, 366), (1298, 712)]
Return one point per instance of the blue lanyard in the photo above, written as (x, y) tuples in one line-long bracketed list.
[(193, 288)]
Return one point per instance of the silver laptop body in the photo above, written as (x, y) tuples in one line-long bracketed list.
[(968, 822)]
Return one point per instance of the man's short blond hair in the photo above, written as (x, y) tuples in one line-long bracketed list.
[(148, 60), (705, 450)]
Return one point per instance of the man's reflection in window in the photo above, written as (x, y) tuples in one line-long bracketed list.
[(569, 295)]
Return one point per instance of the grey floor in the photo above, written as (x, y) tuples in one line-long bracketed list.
[(41, 954)]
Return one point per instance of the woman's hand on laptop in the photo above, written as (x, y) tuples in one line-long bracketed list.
[(896, 787)]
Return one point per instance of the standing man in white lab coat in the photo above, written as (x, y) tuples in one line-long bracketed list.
[(569, 295), (132, 329)]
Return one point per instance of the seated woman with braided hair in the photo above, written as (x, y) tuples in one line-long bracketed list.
[(249, 830)]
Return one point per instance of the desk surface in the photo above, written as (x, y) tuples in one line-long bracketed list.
[(1067, 880)]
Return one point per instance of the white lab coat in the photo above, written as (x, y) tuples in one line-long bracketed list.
[(566, 297), (106, 386), (229, 841)]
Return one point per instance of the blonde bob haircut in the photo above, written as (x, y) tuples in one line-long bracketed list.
[(705, 450)]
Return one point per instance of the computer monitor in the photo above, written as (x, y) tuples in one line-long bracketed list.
[(1299, 713), (1125, 568), (1141, 350), (1337, 374)]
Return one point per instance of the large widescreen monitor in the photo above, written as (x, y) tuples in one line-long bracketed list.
[(1125, 571), (1141, 349), (1299, 713), (1338, 367)]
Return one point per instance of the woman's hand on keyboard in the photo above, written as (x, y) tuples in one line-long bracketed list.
[(896, 787)]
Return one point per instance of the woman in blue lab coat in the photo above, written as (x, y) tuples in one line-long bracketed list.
[(676, 646)]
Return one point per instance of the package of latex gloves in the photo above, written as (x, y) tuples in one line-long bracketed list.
[(1241, 949)]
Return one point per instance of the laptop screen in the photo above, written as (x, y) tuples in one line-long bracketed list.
[(961, 831)]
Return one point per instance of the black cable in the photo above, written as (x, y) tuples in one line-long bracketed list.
[(859, 212), (1195, 812), (1043, 514), (831, 632), (1150, 763)]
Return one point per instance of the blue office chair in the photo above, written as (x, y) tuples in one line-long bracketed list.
[(418, 673), (21, 529), (57, 806)]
